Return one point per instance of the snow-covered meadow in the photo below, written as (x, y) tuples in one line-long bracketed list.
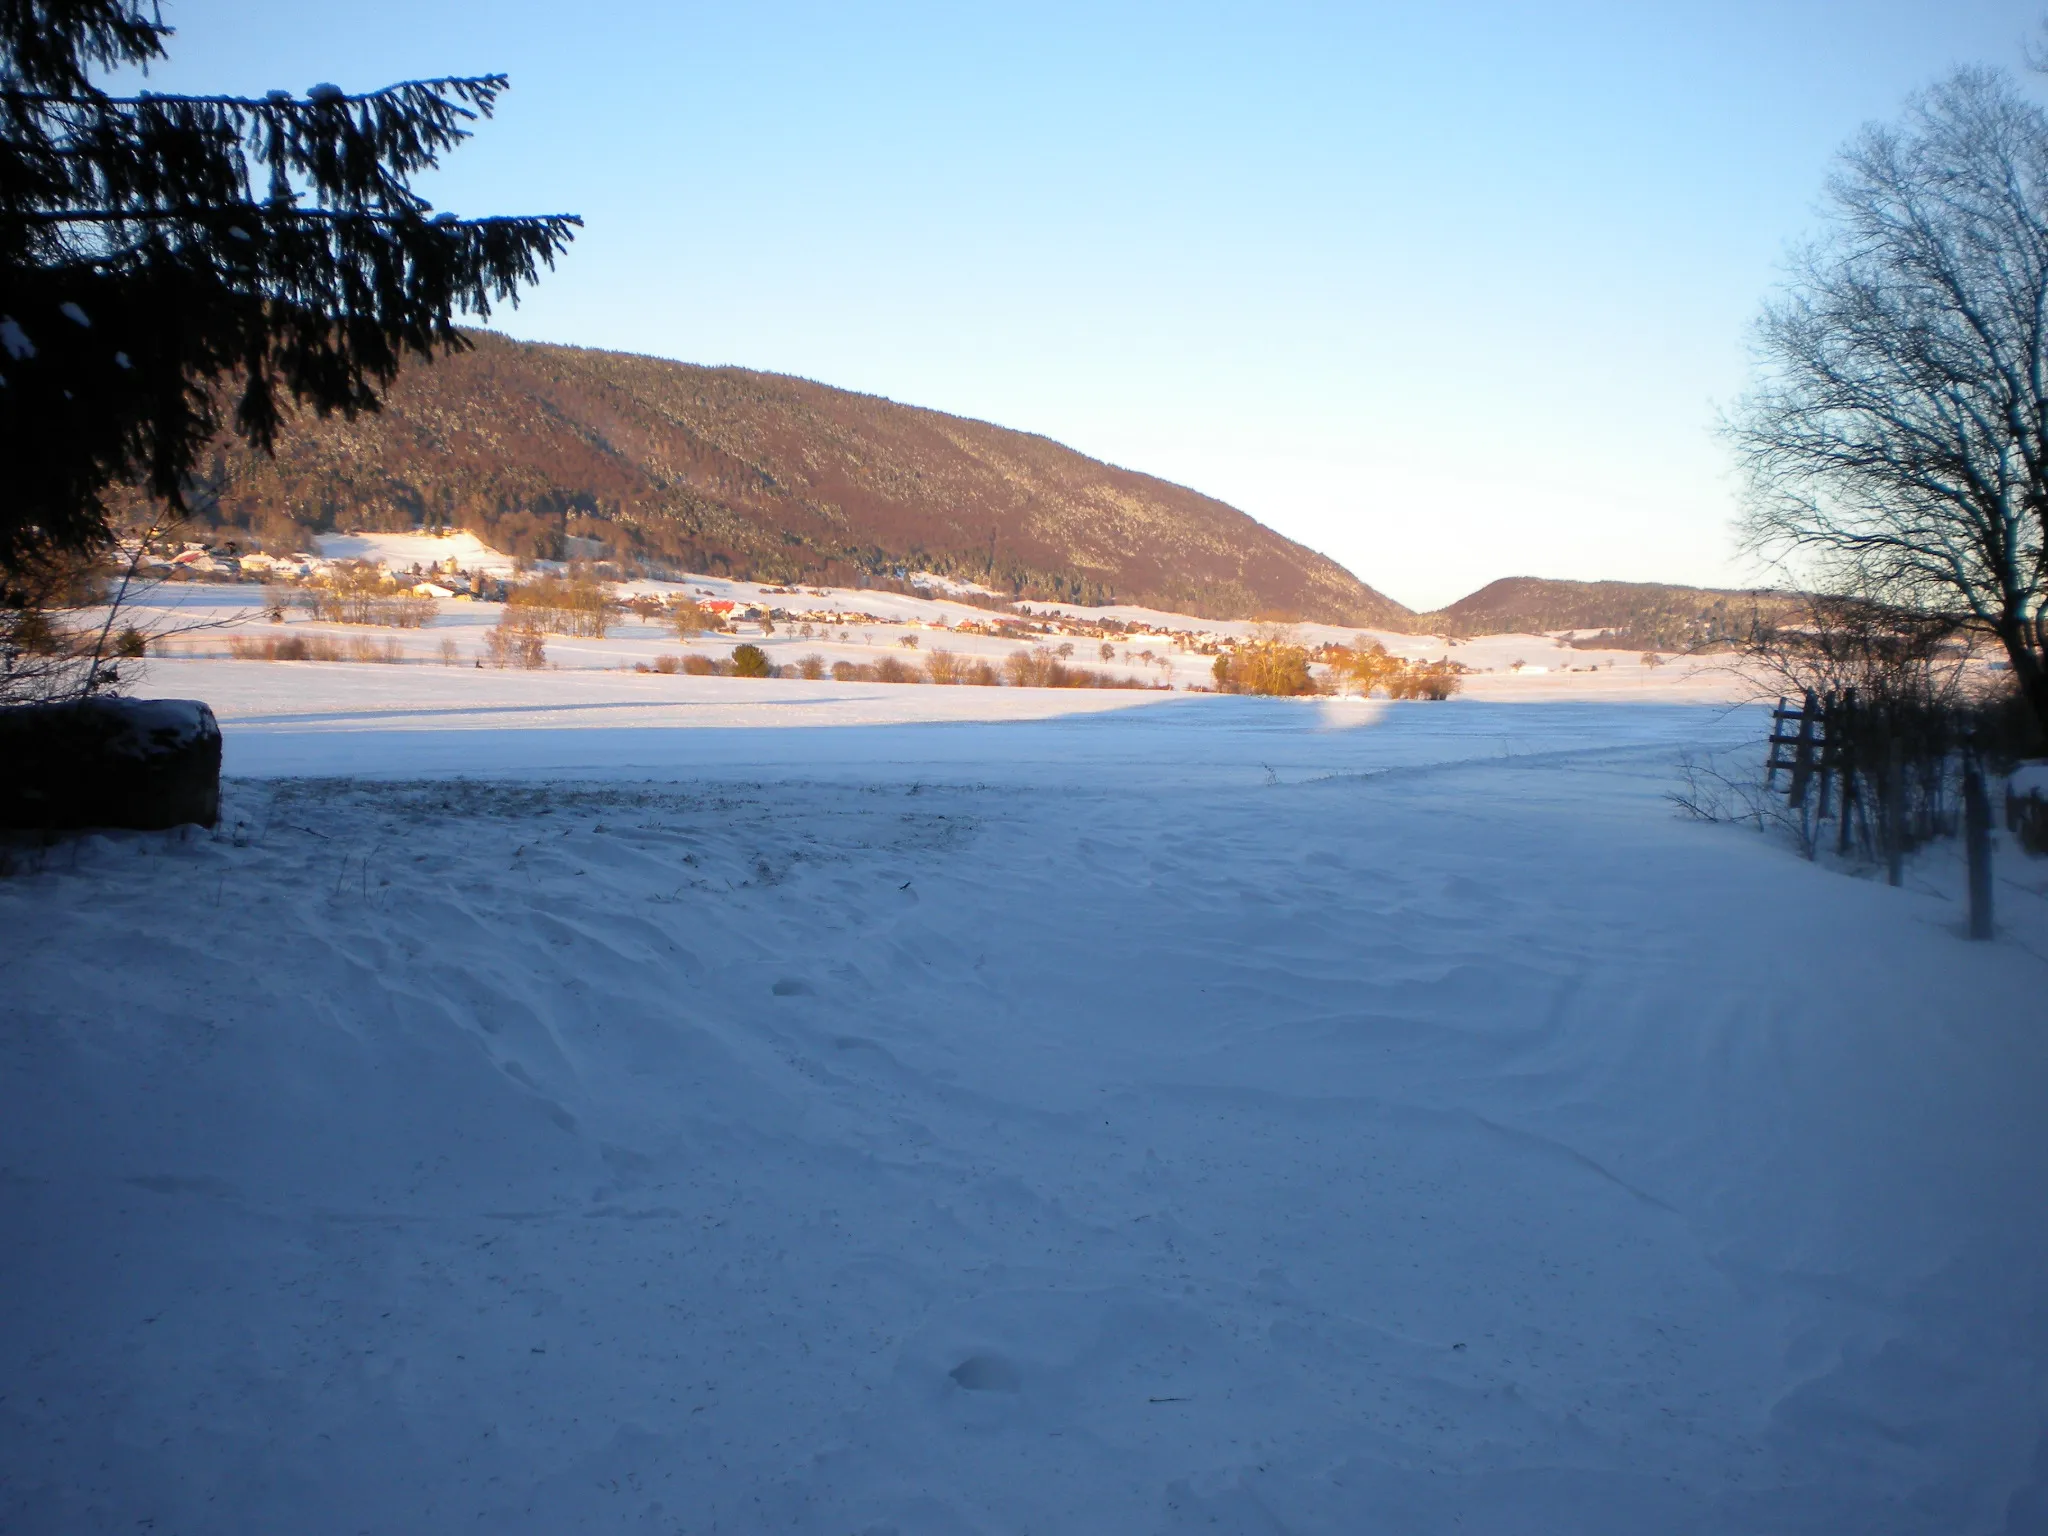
[(605, 1102), (863, 626)]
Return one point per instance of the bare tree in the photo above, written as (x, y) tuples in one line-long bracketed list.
[(1897, 442)]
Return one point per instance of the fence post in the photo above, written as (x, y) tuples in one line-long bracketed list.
[(1802, 758), (1977, 832), (1846, 764), (1893, 813), (1824, 765)]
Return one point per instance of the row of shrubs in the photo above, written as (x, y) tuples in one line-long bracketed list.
[(562, 605), (311, 648), (1036, 668), (1279, 670), (355, 592), (1283, 671)]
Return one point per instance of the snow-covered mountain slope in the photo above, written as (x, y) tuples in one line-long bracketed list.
[(1225, 1114)]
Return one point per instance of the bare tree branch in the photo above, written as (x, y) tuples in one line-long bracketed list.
[(1896, 442)]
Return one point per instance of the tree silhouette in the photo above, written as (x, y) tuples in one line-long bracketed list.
[(171, 265), (1898, 437)]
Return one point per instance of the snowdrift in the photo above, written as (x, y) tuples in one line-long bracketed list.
[(1224, 1115)]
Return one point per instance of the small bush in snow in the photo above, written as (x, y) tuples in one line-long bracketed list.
[(890, 670), (356, 592), (516, 642)]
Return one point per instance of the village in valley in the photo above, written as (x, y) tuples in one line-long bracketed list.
[(452, 600)]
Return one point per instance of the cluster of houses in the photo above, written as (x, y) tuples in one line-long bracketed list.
[(226, 561), (446, 581)]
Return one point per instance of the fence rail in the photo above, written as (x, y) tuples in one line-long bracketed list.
[(1850, 764)]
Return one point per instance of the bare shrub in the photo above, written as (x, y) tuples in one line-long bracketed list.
[(449, 654), (1713, 788), (51, 645), (365, 648), (1364, 664), (1896, 681), (851, 672), (890, 670), (515, 642), (811, 666), (980, 674), (564, 605), (688, 618), (668, 666), (700, 666), (909, 642), (1367, 665), (942, 667), (312, 648), (356, 592), (1041, 667), (1272, 668), (1436, 680)]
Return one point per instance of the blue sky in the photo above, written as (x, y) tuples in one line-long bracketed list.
[(1449, 292)]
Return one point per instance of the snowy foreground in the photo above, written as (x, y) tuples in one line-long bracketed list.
[(1185, 1114)]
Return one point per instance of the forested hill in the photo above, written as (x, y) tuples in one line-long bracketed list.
[(758, 475), (1626, 613)]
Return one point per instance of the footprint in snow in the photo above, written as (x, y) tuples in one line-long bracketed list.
[(987, 1373)]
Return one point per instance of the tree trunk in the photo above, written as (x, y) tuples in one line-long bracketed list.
[(141, 763), (2029, 673)]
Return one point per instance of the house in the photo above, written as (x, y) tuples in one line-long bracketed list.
[(200, 562)]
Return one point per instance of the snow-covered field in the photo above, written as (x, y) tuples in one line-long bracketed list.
[(201, 620), (1083, 1113)]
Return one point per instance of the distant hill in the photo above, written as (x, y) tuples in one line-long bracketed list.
[(1627, 614), (757, 475)]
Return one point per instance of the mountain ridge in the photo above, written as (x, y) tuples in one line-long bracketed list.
[(1650, 614), (732, 471)]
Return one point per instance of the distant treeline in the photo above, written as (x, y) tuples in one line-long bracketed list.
[(1615, 615)]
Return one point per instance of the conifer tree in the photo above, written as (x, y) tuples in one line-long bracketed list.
[(174, 265)]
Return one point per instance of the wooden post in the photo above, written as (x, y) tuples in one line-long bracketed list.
[(1847, 733), (1977, 833), (1802, 760), (1893, 813), (1830, 728), (1802, 775)]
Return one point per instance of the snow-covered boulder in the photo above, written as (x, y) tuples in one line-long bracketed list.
[(143, 763)]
